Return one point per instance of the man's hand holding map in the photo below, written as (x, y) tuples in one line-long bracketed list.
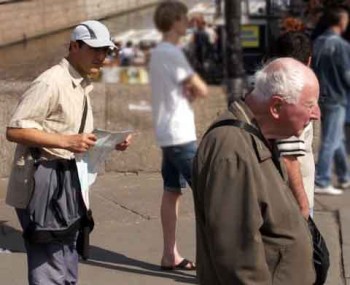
[(89, 162)]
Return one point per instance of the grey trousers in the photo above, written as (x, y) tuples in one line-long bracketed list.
[(49, 264)]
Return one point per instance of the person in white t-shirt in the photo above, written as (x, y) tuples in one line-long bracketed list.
[(174, 86)]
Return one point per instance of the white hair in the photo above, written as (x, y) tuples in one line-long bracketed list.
[(283, 77)]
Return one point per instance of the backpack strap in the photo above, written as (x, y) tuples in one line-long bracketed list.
[(252, 130), (239, 124)]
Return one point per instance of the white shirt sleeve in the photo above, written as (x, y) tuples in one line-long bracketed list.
[(292, 146), (180, 67)]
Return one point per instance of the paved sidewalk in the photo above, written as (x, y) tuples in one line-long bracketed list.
[(126, 242), (333, 218)]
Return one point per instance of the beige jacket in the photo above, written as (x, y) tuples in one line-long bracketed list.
[(53, 103), (249, 227)]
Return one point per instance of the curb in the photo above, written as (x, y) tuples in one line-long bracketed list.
[(344, 219)]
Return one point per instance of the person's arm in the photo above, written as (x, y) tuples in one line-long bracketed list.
[(296, 184), (195, 87), (343, 61), (32, 137), (26, 124), (290, 148), (233, 220)]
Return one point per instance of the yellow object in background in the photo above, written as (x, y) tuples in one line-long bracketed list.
[(250, 36)]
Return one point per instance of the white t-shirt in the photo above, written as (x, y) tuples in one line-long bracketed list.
[(302, 148), (173, 116)]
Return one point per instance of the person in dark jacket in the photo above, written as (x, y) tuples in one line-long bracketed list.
[(249, 226)]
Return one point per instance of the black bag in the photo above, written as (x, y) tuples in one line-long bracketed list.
[(83, 241), (320, 254), (56, 206)]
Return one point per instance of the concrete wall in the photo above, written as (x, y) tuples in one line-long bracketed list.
[(32, 18), (112, 110)]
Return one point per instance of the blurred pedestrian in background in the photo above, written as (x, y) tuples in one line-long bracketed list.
[(331, 63), (174, 87), (127, 54)]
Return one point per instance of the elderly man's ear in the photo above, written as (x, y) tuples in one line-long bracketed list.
[(276, 103)]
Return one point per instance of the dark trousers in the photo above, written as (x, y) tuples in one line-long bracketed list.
[(52, 263)]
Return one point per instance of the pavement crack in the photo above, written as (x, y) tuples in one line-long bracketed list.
[(146, 217), (143, 216)]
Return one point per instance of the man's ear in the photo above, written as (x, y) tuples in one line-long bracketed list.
[(309, 61), (74, 46), (276, 103)]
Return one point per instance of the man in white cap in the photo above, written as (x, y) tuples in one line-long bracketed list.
[(52, 122)]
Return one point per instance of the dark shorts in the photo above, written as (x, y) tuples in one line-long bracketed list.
[(177, 166)]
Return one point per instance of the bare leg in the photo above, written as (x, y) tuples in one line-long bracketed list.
[(169, 213)]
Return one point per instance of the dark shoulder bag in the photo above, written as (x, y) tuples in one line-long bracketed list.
[(87, 221), (320, 250), (321, 254)]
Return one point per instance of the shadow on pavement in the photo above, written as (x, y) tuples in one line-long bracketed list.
[(116, 261), (10, 238)]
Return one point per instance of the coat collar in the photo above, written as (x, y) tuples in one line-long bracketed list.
[(242, 112), (75, 76)]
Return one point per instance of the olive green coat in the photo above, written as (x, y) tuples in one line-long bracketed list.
[(249, 227)]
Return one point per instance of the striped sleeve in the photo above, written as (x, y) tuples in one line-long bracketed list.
[(33, 107), (292, 146)]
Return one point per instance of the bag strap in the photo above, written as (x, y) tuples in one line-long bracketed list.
[(36, 152), (252, 130), (239, 124), (83, 119)]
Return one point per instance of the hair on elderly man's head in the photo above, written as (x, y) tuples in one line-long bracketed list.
[(285, 77)]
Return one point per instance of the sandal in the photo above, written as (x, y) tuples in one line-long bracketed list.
[(185, 264)]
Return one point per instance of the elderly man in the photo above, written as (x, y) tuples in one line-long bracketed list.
[(52, 122), (249, 226)]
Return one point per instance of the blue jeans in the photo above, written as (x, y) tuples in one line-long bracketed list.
[(332, 146), (177, 166)]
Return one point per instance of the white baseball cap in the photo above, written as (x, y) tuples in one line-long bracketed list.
[(93, 33)]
